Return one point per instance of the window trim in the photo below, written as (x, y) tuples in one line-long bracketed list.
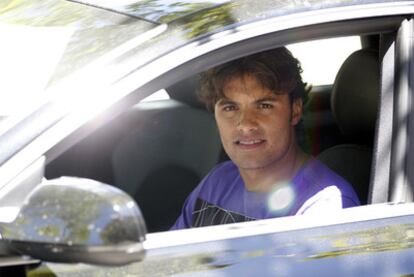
[(400, 177), (381, 156), (218, 56)]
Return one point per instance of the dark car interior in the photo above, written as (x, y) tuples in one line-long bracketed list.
[(159, 151)]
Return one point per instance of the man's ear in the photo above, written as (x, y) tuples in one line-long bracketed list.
[(297, 107)]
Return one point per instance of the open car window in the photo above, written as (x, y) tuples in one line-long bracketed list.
[(181, 144)]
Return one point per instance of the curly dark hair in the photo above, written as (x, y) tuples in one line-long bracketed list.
[(276, 69)]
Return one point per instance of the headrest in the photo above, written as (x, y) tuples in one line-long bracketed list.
[(355, 96), (185, 92)]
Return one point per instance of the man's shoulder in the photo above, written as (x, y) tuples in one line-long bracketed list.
[(224, 168), (223, 173), (318, 178), (223, 178), (317, 172)]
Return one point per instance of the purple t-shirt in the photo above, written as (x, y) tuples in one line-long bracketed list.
[(222, 198)]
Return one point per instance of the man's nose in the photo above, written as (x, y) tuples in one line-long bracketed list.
[(247, 121)]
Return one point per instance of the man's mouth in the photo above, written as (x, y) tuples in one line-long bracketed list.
[(249, 143)]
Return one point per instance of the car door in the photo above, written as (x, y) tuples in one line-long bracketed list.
[(205, 53)]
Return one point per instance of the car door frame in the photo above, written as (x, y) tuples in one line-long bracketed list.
[(401, 177), (199, 55), (74, 133)]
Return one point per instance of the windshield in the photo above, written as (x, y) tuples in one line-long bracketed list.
[(45, 41)]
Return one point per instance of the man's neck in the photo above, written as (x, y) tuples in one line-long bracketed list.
[(266, 178)]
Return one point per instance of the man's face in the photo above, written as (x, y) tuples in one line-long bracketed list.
[(256, 125)]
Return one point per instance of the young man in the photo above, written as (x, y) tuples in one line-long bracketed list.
[(257, 102)]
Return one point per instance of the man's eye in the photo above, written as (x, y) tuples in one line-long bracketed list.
[(229, 108), (265, 106)]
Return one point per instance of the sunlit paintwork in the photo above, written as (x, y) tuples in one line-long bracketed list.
[(376, 247)]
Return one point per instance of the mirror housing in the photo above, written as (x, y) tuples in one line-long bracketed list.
[(77, 220)]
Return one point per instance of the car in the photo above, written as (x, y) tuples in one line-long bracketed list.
[(102, 136)]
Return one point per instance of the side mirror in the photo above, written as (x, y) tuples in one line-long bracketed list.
[(73, 220)]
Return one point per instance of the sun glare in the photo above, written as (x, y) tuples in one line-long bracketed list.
[(27, 70), (281, 198)]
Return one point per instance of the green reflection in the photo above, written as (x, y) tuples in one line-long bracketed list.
[(194, 19), (68, 221), (119, 230), (49, 230), (164, 12), (209, 20), (389, 238), (75, 217), (78, 211), (153, 266), (40, 271)]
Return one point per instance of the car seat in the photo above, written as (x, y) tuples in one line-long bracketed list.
[(354, 103), (171, 146)]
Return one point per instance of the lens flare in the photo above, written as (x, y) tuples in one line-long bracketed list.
[(281, 198)]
